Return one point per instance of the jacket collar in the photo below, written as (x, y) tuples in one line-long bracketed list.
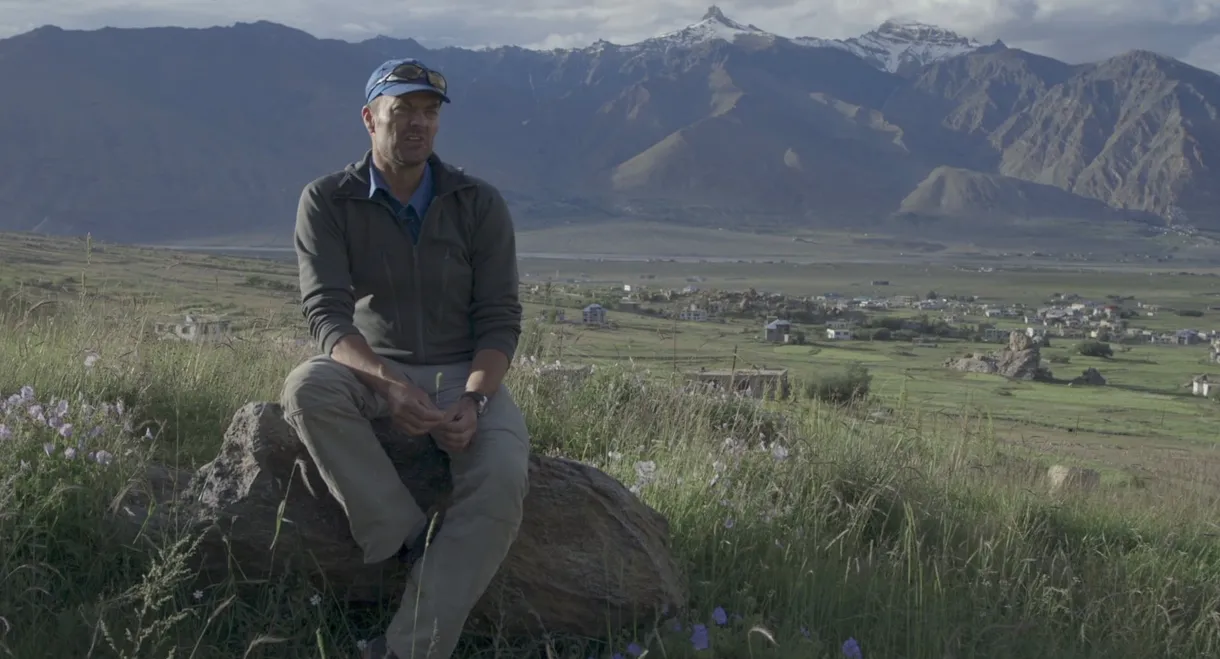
[(355, 182)]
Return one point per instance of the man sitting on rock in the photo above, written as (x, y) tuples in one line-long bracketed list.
[(408, 275)]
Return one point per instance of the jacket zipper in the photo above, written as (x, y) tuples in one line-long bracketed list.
[(419, 306), (419, 298)]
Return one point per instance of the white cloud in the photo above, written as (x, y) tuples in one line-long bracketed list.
[(1075, 30), (1206, 54)]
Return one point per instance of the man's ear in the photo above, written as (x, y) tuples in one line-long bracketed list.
[(367, 114)]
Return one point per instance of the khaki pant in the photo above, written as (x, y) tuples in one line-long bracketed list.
[(330, 408)]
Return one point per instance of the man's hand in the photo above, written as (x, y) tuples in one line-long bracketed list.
[(411, 408), (455, 432)]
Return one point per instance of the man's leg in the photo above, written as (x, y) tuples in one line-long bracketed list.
[(490, 481), (330, 409)]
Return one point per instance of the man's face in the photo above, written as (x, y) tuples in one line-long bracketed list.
[(403, 128)]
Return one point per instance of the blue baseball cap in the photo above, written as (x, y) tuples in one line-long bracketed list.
[(402, 76)]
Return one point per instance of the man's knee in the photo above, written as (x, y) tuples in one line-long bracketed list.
[(319, 383), (501, 493)]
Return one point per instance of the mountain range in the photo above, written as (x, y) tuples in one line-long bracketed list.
[(163, 134)]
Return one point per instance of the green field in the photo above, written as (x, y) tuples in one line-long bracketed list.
[(1193, 288), (916, 523)]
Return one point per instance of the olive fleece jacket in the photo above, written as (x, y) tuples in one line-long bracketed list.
[(436, 302)]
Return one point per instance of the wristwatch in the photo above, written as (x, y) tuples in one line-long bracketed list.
[(480, 401)]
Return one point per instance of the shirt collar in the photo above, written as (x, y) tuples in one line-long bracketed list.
[(418, 201)]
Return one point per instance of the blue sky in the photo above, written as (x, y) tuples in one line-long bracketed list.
[(1074, 30)]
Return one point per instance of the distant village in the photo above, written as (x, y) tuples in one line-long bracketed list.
[(841, 318)]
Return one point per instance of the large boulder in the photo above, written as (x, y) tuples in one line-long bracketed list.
[(590, 556)]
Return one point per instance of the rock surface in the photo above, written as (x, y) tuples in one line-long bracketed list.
[(590, 556), (1062, 478), (1090, 376), (1021, 359)]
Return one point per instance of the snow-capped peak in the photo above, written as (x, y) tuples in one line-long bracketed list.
[(917, 32), (894, 46), (714, 25), (898, 45)]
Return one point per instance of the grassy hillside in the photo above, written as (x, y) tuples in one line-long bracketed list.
[(919, 537), (926, 532)]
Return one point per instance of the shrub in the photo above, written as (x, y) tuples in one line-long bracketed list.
[(1095, 348), (846, 386)]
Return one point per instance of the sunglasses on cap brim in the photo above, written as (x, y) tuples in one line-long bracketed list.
[(415, 74)]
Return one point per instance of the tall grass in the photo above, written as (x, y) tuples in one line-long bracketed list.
[(806, 530)]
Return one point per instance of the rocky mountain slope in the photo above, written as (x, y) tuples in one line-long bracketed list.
[(171, 133)]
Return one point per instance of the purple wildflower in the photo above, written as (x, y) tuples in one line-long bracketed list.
[(699, 638), (805, 632), (102, 457), (48, 448), (62, 408), (719, 616), (851, 649), (97, 430), (70, 453), (27, 392), (634, 649), (65, 430), (5, 433)]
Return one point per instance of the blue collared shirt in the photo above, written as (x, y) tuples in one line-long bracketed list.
[(412, 213)]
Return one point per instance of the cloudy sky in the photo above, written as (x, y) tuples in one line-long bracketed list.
[(1074, 30)]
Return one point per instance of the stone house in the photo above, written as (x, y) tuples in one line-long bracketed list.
[(776, 330), (195, 328), (757, 383)]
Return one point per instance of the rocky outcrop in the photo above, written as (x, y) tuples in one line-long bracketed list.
[(1021, 359), (590, 556)]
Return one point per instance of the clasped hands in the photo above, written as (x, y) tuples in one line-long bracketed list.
[(413, 412)]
